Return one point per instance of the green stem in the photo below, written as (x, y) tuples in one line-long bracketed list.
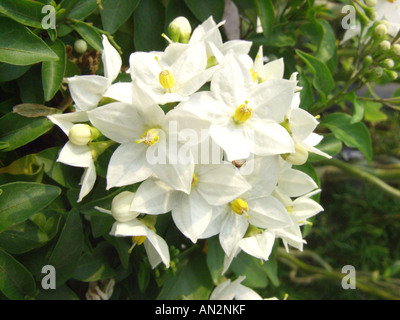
[(363, 175)]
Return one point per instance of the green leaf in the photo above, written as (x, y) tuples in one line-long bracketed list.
[(143, 276), (16, 282), (20, 200), (358, 108), (215, 259), (323, 80), (97, 265), (26, 12), (246, 265), (192, 280), (354, 135), (116, 12), (83, 9), (372, 112), (265, 11), (20, 46), (9, 72), (67, 251), (327, 45), (30, 86), (62, 292), (122, 245), (53, 71), (89, 34), (202, 10), (66, 176), (147, 35), (18, 131), (32, 110)]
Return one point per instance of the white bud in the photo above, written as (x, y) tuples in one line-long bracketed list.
[(299, 157), (180, 30), (381, 30), (80, 46), (80, 134), (371, 3), (396, 49), (385, 45), (121, 207), (388, 63)]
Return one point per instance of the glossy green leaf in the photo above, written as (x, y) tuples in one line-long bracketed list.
[(192, 280), (53, 71), (372, 112), (9, 72), (18, 131), (67, 251), (26, 12), (20, 46), (83, 9), (323, 80), (30, 86), (202, 10), (147, 35), (16, 282), (252, 268), (265, 11), (62, 292), (327, 44), (354, 135), (97, 265), (89, 34), (116, 12), (215, 259), (20, 200)]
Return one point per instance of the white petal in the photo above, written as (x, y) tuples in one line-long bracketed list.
[(214, 227), (259, 246), (304, 208), (272, 70), (118, 121), (244, 293), (157, 249), (154, 197), (302, 123), (76, 156), (128, 165), (129, 229), (232, 231), (192, 215), (220, 184), (224, 291), (120, 91), (268, 212), (111, 60), (89, 178), (295, 183), (87, 91), (66, 120)]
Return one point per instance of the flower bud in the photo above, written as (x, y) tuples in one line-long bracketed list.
[(80, 46), (180, 30), (385, 45), (380, 30), (368, 60), (392, 74), (396, 49), (375, 74), (371, 3), (81, 134), (297, 158), (121, 207), (388, 63)]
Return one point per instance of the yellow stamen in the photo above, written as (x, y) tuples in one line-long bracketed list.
[(254, 75), (166, 78), (243, 113), (149, 137), (136, 240), (240, 207), (194, 180), (286, 125)]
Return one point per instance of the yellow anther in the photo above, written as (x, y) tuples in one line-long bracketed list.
[(254, 75), (286, 125), (136, 240), (194, 180), (166, 78), (289, 209), (305, 222), (240, 207), (149, 137), (243, 113)]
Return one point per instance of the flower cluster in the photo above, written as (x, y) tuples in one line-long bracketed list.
[(208, 134)]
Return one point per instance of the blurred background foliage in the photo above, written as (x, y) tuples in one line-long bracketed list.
[(359, 119)]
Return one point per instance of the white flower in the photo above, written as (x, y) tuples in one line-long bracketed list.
[(300, 209), (156, 247), (244, 118), (76, 155), (172, 75), (212, 185), (229, 290), (88, 90), (142, 131), (255, 207)]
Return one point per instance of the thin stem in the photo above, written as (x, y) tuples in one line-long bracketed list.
[(363, 175)]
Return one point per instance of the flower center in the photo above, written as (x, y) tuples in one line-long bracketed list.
[(286, 125), (166, 78), (149, 137), (138, 239), (240, 207), (242, 113)]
